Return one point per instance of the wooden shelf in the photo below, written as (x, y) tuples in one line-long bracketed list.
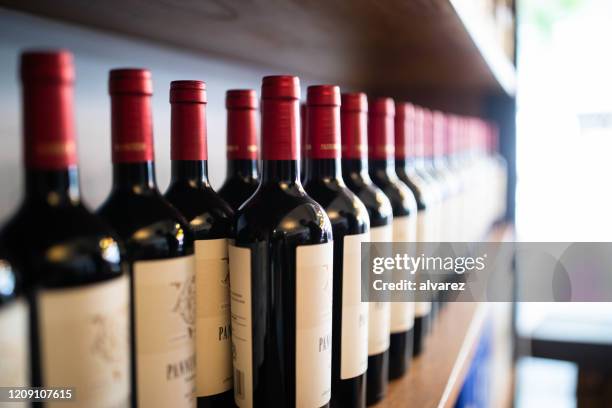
[(396, 47), (437, 375)]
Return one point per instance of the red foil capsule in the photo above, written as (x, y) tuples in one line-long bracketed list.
[(418, 147), (404, 130), (303, 129), (241, 107), (381, 128), (354, 125), (47, 79), (131, 122), (188, 120), (280, 110), (438, 134), (323, 116), (427, 129)]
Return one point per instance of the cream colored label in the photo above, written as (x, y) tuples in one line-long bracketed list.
[(242, 324), (213, 334), (14, 351), (165, 311), (314, 278), (314, 295), (379, 314), (402, 313), (84, 342), (354, 332)]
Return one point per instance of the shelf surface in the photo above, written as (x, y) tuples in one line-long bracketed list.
[(393, 47), (436, 376)]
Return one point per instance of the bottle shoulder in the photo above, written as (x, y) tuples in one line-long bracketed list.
[(235, 191), (207, 214), (11, 280), (401, 197), (422, 191), (61, 246), (345, 210), (375, 201), (282, 213), (148, 224)]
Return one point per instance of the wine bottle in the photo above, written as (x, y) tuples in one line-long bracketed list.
[(242, 178), (350, 227), (77, 288), (303, 141), (382, 171), (408, 151), (158, 250), (14, 353), (210, 219), (281, 273), (353, 116)]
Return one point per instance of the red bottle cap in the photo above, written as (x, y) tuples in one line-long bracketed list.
[(188, 120), (439, 130), (188, 91), (131, 121), (323, 129), (280, 112), (354, 125), (381, 128), (48, 122), (241, 99), (241, 107), (427, 126), (280, 87), (404, 130)]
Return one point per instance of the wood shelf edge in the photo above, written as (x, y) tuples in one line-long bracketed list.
[(494, 57)]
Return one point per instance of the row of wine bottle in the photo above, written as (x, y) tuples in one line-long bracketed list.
[(250, 296)]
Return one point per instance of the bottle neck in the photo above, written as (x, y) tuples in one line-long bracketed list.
[(318, 169), (54, 187), (191, 172), (383, 165), (354, 166), (281, 171), (242, 168), (137, 177), (405, 164)]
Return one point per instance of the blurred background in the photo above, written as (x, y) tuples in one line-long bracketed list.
[(564, 119), (539, 68)]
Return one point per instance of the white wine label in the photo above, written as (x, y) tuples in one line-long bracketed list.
[(84, 342), (213, 334), (242, 324), (379, 315), (354, 332), (313, 337), (402, 313), (165, 314), (14, 345)]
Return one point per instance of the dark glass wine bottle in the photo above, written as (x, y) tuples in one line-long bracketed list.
[(210, 219), (382, 171), (281, 273), (158, 249), (77, 287), (14, 331), (350, 227), (407, 153), (242, 177), (354, 111)]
